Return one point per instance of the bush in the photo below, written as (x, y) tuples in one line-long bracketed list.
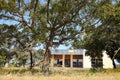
[(2, 60)]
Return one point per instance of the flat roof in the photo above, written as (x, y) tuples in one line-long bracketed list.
[(73, 51)]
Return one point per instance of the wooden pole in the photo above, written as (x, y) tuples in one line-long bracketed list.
[(71, 61), (63, 60)]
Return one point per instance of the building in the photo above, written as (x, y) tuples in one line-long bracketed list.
[(76, 58)]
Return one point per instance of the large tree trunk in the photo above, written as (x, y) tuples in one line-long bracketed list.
[(31, 60), (114, 65), (45, 66)]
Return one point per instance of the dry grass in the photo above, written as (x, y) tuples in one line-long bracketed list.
[(62, 75)]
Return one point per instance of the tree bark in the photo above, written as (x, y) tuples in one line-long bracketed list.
[(46, 63), (31, 60), (114, 65)]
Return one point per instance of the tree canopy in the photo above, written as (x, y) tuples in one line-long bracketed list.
[(105, 35)]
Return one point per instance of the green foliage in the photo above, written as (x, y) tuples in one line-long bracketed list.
[(92, 42), (3, 56), (105, 34), (2, 60)]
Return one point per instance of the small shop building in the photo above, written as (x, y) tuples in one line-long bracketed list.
[(76, 59)]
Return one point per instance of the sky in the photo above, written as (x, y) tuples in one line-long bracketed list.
[(63, 47)]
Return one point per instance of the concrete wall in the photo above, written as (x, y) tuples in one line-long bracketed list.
[(86, 61), (107, 62)]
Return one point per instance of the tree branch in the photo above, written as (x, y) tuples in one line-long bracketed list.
[(48, 2), (35, 7), (80, 5)]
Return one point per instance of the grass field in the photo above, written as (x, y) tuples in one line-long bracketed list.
[(36, 74)]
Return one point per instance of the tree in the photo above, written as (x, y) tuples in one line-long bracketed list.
[(16, 42), (23, 15), (111, 16), (59, 23), (94, 46), (5, 42), (62, 17), (105, 36)]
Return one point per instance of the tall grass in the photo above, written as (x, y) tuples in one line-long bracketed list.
[(36, 74)]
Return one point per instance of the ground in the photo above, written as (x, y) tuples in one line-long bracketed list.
[(69, 74)]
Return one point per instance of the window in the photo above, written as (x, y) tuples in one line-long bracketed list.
[(97, 63)]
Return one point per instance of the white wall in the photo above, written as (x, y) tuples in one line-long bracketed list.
[(107, 62), (86, 61)]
